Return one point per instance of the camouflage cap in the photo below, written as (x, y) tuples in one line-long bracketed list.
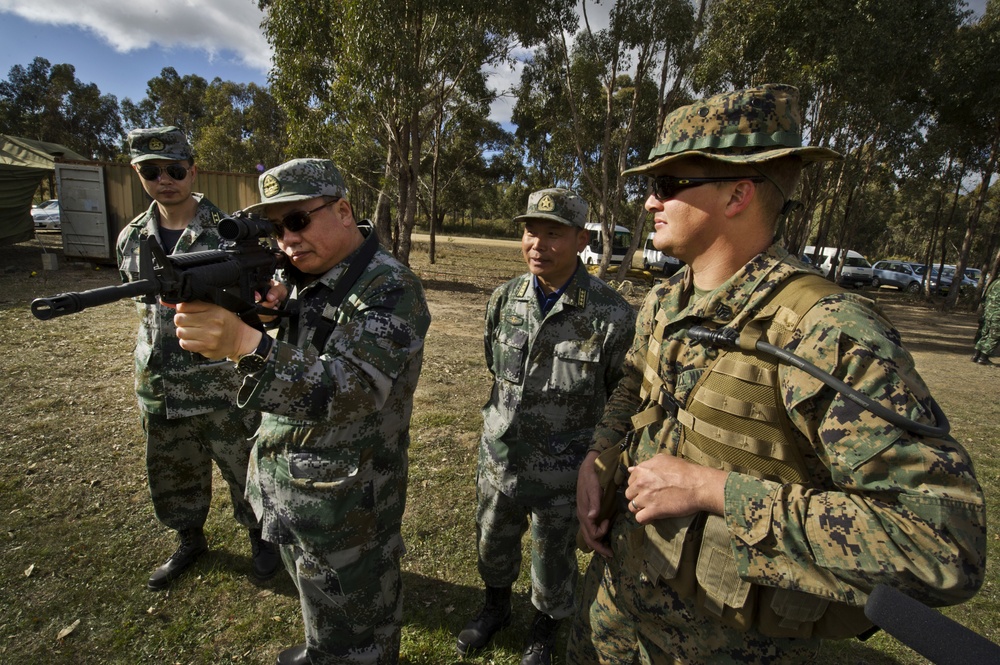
[(744, 126), (560, 205), (299, 180), (158, 143)]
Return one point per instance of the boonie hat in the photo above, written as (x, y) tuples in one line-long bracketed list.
[(744, 126), (299, 180), (557, 204), (158, 143)]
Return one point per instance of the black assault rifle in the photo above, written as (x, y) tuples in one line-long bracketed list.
[(229, 276)]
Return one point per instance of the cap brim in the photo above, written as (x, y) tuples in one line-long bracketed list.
[(808, 154), (257, 207), (146, 158), (542, 215)]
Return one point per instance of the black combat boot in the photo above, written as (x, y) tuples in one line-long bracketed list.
[(193, 545), (265, 557), (982, 358), (296, 655), (976, 356), (542, 640), (494, 615)]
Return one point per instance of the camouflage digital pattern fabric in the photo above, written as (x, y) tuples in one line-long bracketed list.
[(501, 523), (159, 143), (179, 454), (187, 402), (328, 472), (551, 377), (299, 180), (168, 379), (744, 126), (989, 326), (883, 505), (670, 629), (366, 595), (559, 205)]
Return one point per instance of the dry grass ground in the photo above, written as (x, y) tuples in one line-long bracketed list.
[(79, 537)]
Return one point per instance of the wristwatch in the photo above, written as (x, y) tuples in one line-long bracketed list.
[(254, 361)]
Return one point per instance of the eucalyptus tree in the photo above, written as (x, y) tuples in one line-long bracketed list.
[(968, 100), (379, 67), (862, 66), (244, 128), (46, 102), (586, 110), (171, 99)]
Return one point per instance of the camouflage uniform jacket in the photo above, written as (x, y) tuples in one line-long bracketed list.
[(168, 379), (881, 505), (552, 375), (328, 471)]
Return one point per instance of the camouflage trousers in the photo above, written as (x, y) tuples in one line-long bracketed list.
[(179, 454), (624, 618), (352, 614), (989, 334), (501, 523)]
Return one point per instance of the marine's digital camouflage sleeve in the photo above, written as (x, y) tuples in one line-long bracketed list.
[(885, 505)]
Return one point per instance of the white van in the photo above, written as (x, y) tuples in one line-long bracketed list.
[(654, 259), (857, 271), (591, 254)]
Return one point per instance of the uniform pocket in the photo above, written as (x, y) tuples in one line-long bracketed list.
[(508, 354), (574, 367)]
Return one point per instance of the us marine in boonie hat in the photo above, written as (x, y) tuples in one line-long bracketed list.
[(557, 204), (299, 180), (744, 126), (159, 143)]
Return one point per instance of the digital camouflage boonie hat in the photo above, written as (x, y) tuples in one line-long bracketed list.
[(744, 126), (299, 180), (158, 143), (560, 205)]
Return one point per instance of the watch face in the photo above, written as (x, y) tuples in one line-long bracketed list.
[(251, 364)]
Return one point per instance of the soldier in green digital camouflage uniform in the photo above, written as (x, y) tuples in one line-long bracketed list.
[(760, 506), (187, 403), (555, 340), (329, 469), (988, 335)]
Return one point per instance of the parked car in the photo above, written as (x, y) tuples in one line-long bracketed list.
[(654, 259), (948, 278), (899, 274), (591, 254), (857, 272), (975, 274), (920, 269), (46, 215)]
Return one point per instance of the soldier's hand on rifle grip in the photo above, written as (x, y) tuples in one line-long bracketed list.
[(213, 331), (276, 295)]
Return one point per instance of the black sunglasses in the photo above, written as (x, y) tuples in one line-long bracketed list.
[(297, 220), (153, 172), (665, 187)]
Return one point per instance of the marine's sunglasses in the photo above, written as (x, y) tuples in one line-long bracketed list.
[(665, 187), (297, 220), (153, 172)]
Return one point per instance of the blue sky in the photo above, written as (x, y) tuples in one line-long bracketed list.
[(120, 47)]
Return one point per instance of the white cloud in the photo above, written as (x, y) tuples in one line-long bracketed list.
[(212, 26)]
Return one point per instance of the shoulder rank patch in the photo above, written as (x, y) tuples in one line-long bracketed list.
[(524, 288), (581, 298)]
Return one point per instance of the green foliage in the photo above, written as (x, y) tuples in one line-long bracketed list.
[(47, 102)]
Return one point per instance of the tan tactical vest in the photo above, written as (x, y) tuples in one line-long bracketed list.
[(735, 420)]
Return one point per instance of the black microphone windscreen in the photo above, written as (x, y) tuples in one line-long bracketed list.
[(934, 636)]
